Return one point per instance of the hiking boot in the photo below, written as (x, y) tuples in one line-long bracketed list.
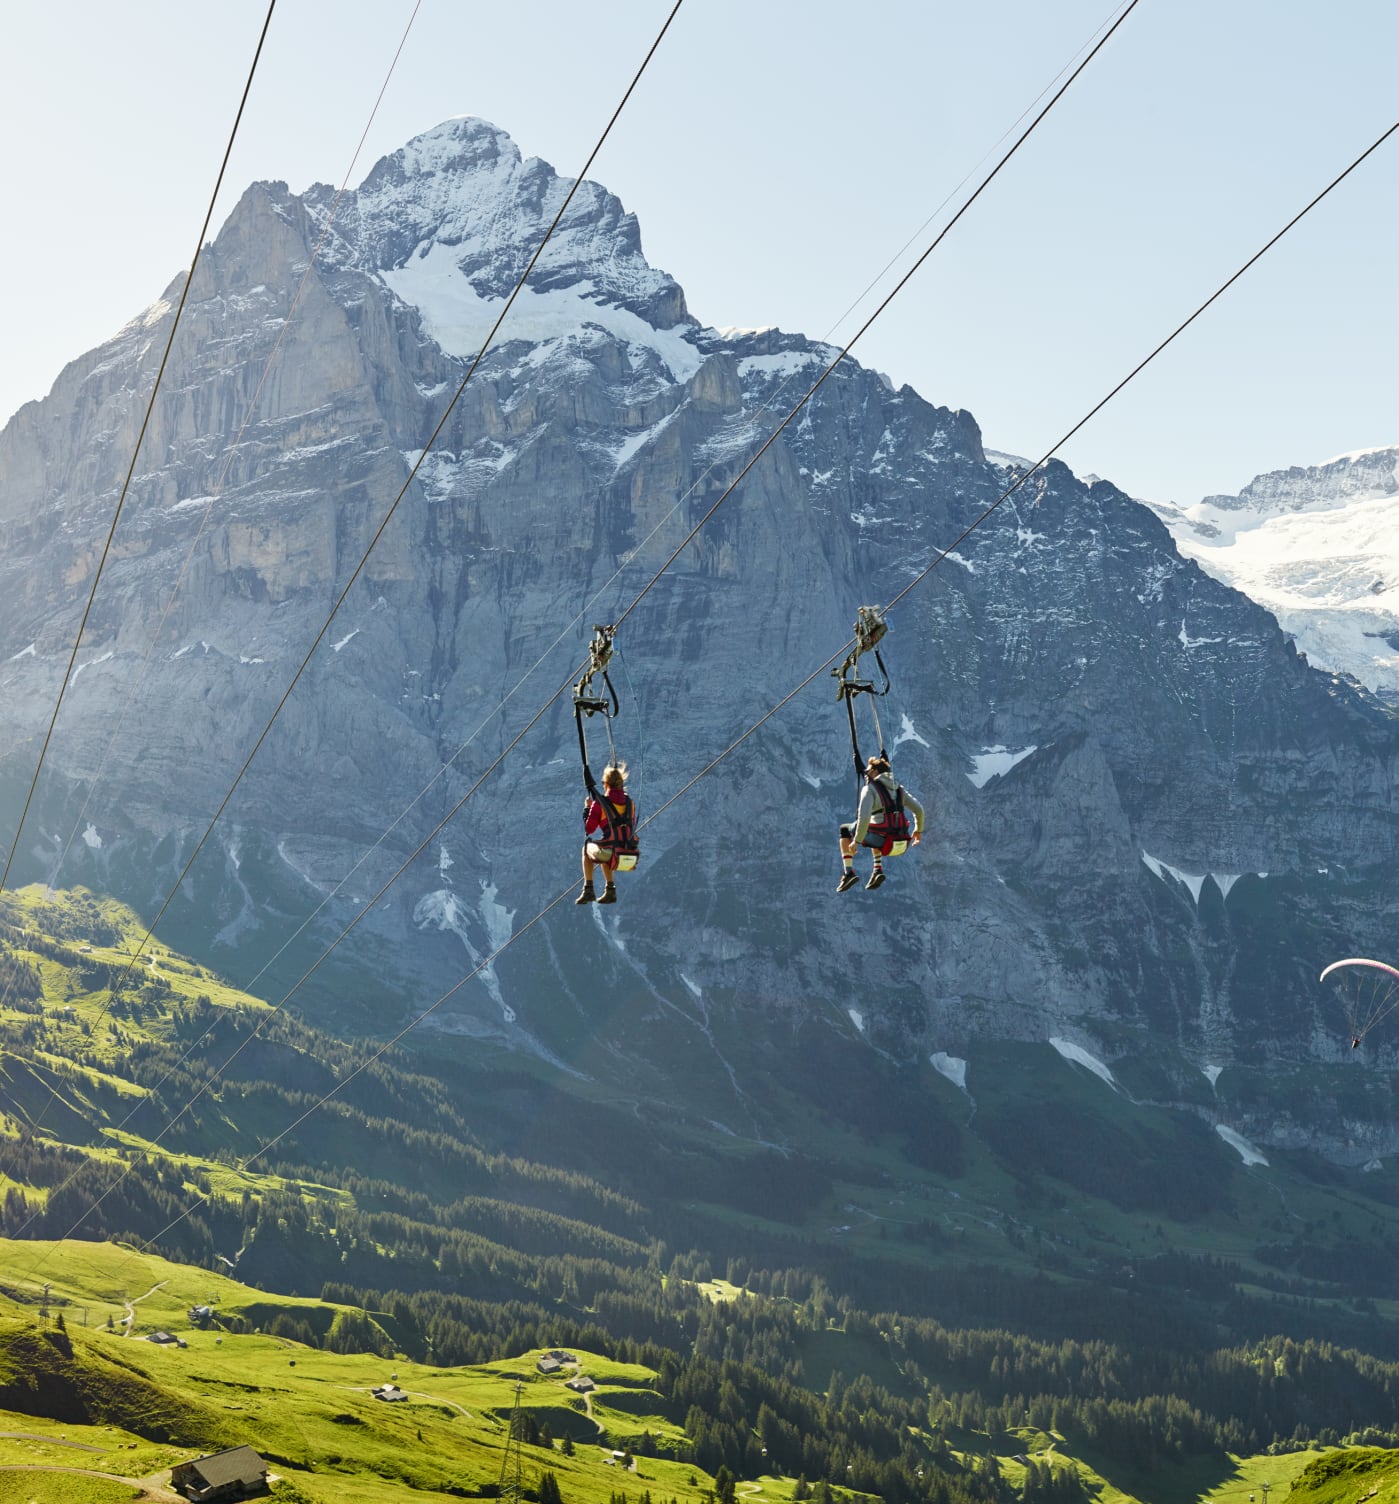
[(587, 895), (609, 894), (847, 881), (876, 877)]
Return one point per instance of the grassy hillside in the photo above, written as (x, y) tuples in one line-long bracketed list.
[(1043, 1170), (145, 1406), (1350, 1477), (95, 1382), (1093, 1296)]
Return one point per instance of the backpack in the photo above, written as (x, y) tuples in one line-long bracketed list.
[(619, 832), (895, 827)]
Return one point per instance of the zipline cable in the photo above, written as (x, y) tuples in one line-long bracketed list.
[(480, 355), (388, 516), (121, 499), (879, 275), (129, 700), (1142, 365), (786, 699), (135, 454), (766, 405), (728, 491), (986, 181), (888, 298)]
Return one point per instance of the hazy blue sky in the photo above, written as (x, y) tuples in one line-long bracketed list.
[(777, 154)]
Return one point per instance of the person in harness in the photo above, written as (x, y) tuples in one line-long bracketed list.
[(881, 823), (609, 829)]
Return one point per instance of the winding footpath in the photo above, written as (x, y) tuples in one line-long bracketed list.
[(154, 1488)]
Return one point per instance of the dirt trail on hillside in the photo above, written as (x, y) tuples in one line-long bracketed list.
[(150, 1488), (438, 1399), (129, 1320), (56, 1441), (422, 1394)]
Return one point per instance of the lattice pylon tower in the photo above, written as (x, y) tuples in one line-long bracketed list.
[(509, 1490)]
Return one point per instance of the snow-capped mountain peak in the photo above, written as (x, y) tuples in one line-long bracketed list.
[(1358, 475), (449, 222), (1319, 547)]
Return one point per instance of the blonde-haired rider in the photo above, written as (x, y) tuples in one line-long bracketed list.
[(599, 829)]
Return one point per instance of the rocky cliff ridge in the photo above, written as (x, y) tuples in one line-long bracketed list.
[(1153, 821)]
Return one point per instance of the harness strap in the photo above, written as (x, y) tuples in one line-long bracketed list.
[(849, 688), (889, 806), (588, 781), (848, 691), (619, 832)]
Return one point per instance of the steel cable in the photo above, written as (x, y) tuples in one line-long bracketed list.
[(388, 516), (135, 454), (986, 181), (129, 700), (126, 486), (1009, 491)]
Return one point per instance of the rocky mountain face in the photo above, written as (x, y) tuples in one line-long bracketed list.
[(1153, 822), (1317, 547)]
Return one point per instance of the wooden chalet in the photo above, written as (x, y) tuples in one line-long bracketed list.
[(238, 1473)]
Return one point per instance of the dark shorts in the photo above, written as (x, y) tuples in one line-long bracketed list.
[(872, 837)]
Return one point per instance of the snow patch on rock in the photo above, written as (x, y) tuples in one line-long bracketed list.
[(443, 910), (91, 663), (459, 318), (1194, 881), (300, 871), (1077, 1055), (785, 363), (638, 441), (950, 1066), (499, 921), (992, 762), (907, 734), (1237, 1141)]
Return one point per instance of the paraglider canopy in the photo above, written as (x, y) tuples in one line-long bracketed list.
[(1368, 991), (1383, 966)]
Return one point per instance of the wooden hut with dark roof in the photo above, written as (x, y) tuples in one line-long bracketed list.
[(238, 1473)]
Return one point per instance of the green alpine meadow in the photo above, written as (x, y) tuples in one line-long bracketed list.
[(604, 900)]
